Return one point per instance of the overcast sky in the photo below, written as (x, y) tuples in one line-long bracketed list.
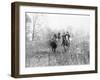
[(62, 22)]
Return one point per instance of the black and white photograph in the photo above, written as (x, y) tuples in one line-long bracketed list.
[(52, 39), (57, 39)]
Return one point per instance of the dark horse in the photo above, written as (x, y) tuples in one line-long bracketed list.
[(53, 43), (65, 41)]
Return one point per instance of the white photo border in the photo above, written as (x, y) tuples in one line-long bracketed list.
[(71, 68)]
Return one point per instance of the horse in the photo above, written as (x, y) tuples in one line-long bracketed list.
[(53, 43), (65, 41)]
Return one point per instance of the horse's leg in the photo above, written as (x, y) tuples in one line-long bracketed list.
[(68, 43), (52, 50), (64, 48)]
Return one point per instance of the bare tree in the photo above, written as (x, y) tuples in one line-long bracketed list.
[(35, 20), (38, 27), (27, 26)]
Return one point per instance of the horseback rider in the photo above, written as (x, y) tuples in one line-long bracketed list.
[(68, 36), (65, 40), (53, 43)]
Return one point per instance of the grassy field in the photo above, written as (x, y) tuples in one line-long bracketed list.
[(38, 54)]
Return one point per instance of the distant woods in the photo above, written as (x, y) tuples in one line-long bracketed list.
[(37, 28)]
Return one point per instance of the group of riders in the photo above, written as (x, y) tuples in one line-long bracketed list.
[(60, 40)]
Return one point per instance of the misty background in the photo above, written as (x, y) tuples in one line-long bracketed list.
[(40, 28)]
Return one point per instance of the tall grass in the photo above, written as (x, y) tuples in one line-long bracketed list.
[(38, 53)]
